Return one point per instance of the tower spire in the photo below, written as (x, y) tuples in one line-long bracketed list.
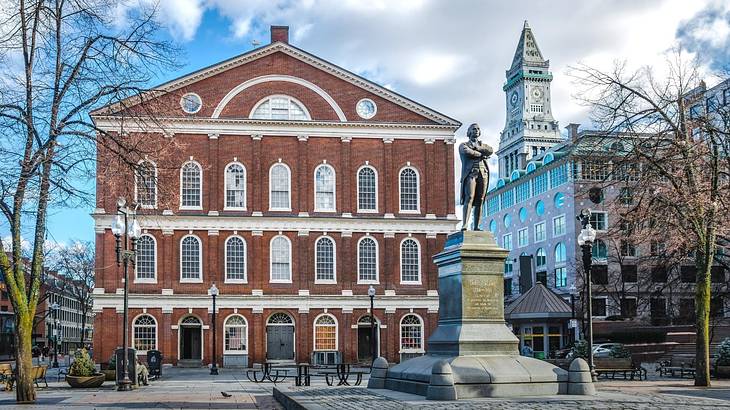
[(527, 52)]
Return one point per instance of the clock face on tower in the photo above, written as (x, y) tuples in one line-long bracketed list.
[(536, 93), (513, 99)]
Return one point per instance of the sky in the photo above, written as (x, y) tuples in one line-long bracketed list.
[(448, 55)]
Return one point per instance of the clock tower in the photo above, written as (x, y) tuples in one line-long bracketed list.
[(530, 128)]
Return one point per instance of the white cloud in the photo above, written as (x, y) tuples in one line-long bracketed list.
[(182, 17), (432, 67)]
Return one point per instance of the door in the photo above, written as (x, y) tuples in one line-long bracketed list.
[(280, 342), (364, 347), (190, 343)]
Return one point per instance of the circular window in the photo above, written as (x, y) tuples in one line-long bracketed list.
[(559, 200), (493, 226), (507, 221), (191, 103), (366, 108), (539, 208), (523, 214)]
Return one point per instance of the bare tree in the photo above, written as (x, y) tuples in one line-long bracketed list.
[(60, 60), (680, 158)]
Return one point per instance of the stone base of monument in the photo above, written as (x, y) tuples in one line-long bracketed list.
[(472, 353)]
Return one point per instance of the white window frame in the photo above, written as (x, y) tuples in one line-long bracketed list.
[(318, 281), (400, 335), (200, 260), (565, 228), (357, 176), (136, 183), (271, 168), (377, 262), (557, 263), (544, 232), (271, 260), (225, 261), (400, 260), (544, 265), (314, 333), (235, 352), (334, 188), (291, 99), (200, 195), (245, 188), (605, 220), (154, 269), (605, 298), (511, 244), (157, 332), (418, 191), (527, 238)]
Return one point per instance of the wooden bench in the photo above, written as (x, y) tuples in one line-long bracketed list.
[(613, 366), (684, 365), (38, 373), (7, 376)]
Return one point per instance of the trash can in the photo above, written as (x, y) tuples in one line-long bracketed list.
[(131, 364), (154, 363)]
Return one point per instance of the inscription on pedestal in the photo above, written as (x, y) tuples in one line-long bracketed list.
[(482, 297)]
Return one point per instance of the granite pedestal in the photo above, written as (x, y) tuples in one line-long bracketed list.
[(471, 353)]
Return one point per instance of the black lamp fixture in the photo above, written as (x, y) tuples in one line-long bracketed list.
[(213, 291), (585, 239), (371, 294)]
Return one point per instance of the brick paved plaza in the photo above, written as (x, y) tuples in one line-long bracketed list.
[(196, 389)]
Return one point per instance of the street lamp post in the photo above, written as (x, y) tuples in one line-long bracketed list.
[(585, 240), (54, 308), (213, 291), (124, 232), (371, 293)]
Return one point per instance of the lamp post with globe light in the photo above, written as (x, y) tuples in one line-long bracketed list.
[(126, 235), (54, 308), (371, 294), (585, 239), (213, 291)]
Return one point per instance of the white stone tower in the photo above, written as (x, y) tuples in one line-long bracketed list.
[(529, 128)]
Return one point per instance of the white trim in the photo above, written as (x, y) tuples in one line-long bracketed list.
[(179, 331), (357, 176), (157, 331), (154, 271), (377, 262), (136, 175), (283, 78), (235, 352), (334, 188), (527, 235), (200, 260), (225, 260), (271, 260), (288, 170), (534, 236), (400, 334), (605, 219), (418, 191), (200, 196), (294, 334), (565, 226), (182, 107), (290, 98), (314, 332), (334, 261), (225, 187), (400, 261)]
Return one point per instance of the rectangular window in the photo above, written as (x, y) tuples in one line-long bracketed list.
[(325, 337), (599, 306), (493, 205), (626, 196), (507, 241), (508, 198), (628, 307), (522, 238), (539, 184), (629, 274), (508, 286), (599, 221), (712, 103), (717, 274), (657, 248), (540, 231), (627, 248), (688, 274), (559, 175), (595, 170), (508, 268), (523, 192), (695, 111), (658, 308), (541, 277), (559, 225), (659, 274), (536, 107), (599, 274), (687, 310), (561, 277)]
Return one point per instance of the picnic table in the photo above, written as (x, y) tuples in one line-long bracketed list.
[(268, 372)]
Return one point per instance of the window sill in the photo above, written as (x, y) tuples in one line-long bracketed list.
[(411, 283), (411, 212), (280, 281), (325, 282), (191, 208), (225, 208), (235, 352), (148, 206), (235, 281), (191, 280), (412, 351), (367, 211), (368, 282), (279, 209), (329, 211), (146, 281)]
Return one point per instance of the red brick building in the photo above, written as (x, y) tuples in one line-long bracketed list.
[(300, 184)]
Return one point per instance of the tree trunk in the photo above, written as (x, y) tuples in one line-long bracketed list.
[(83, 328), (24, 390), (702, 307)]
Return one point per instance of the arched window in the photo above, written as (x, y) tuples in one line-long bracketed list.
[(600, 250), (191, 184), (235, 186), (411, 334), (410, 261), (144, 333), (146, 264), (325, 260), (280, 260), (190, 259), (235, 335), (540, 258), (279, 184), (559, 253), (235, 260), (280, 318), (325, 333), (324, 188), (367, 260), (280, 107), (409, 197), (146, 184), (367, 190)]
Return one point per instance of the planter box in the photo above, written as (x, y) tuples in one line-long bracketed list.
[(86, 381)]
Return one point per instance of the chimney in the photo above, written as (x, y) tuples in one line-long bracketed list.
[(572, 131), (280, 33)]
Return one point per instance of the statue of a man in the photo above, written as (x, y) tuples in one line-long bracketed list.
[(474, 176)]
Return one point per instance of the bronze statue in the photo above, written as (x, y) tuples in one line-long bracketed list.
[(474, 176)]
